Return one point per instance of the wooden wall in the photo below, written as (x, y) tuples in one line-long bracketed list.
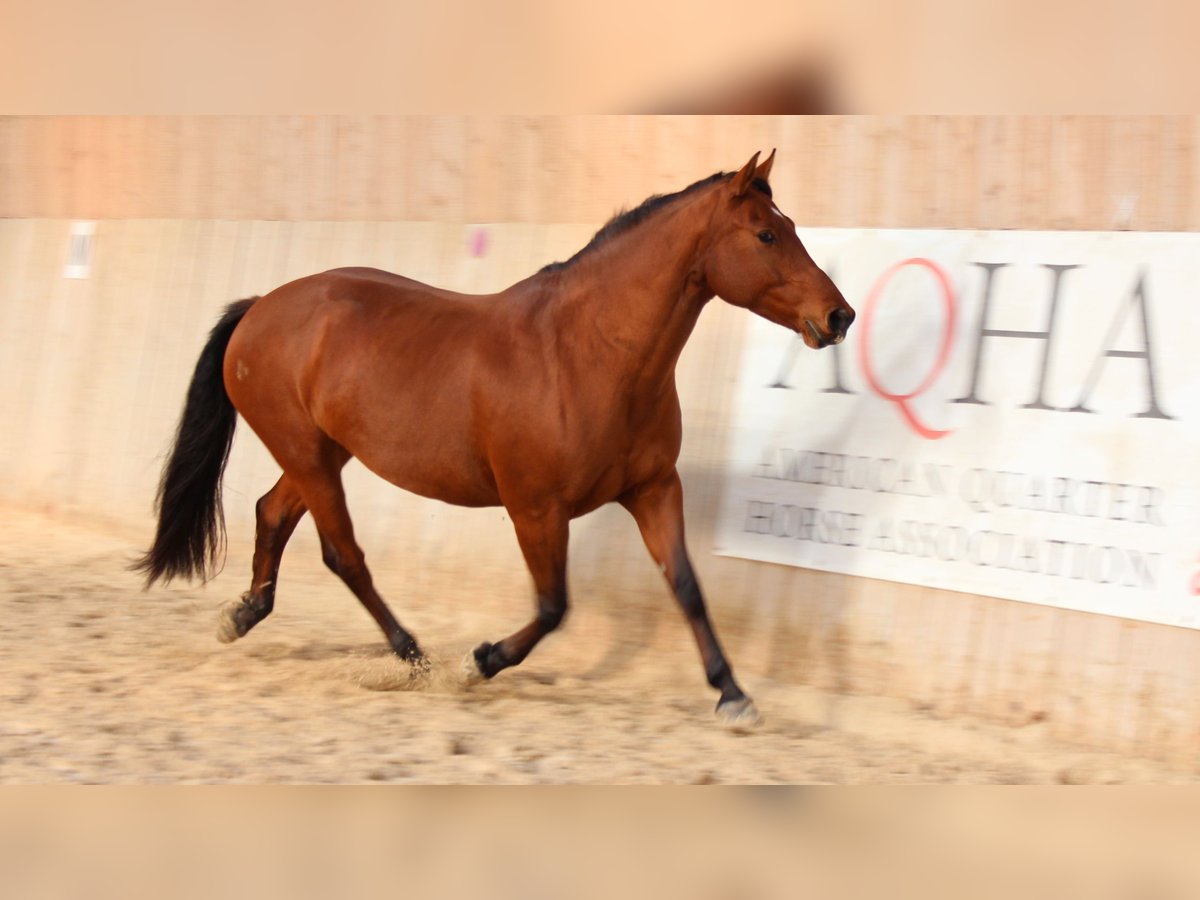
[(938, 172)]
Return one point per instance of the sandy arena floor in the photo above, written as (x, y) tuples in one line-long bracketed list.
[(100, 682)]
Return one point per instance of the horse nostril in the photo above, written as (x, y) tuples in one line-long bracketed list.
[(840, 319)]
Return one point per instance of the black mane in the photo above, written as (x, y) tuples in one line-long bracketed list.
[(627, 219)]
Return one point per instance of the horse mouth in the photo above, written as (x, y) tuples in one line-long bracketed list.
[(815, 339), (818, 340)]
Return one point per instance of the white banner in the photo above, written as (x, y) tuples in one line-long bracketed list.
[(1014, 414)]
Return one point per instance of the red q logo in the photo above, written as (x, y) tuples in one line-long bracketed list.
[(902, 401)]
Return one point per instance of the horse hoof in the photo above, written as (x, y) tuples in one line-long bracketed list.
[(227, 625), (738, 715), (470, 670)]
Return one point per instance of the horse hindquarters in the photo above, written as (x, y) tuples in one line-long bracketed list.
[(268, 366)]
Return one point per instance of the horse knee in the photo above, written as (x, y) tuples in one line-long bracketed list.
[(263, 603)]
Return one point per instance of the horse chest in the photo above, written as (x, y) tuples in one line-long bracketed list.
[(615, 451)]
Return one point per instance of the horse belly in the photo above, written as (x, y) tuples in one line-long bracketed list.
[(429, 462)]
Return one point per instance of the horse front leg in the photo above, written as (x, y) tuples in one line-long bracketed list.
[(657, 507), (543, 539)]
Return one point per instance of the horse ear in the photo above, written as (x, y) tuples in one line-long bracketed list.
[(764, 171), (743, 179)]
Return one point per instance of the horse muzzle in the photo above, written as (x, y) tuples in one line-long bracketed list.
[(833, 332), (839, 323)]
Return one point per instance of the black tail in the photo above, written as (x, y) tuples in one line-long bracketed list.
[(191, 521)]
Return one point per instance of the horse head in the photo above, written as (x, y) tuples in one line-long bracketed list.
[(756, 260)]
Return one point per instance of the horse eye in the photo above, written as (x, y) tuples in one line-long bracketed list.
[(766, 237)]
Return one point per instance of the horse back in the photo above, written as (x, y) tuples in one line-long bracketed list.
[(409, 287)]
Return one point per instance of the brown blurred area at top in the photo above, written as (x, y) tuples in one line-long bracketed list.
[(523, 57), (796, 89)]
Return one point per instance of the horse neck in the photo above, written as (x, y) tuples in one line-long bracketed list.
[(636, 299)]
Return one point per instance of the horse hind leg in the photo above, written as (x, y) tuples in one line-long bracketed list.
[(326, 500), (277, 513)]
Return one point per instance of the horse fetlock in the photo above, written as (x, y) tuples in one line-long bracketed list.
[(489, 659), (720, 676)]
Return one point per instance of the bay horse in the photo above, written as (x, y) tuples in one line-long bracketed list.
[(550, 398)]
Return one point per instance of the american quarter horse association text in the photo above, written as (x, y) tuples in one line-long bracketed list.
[(550, 398)]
